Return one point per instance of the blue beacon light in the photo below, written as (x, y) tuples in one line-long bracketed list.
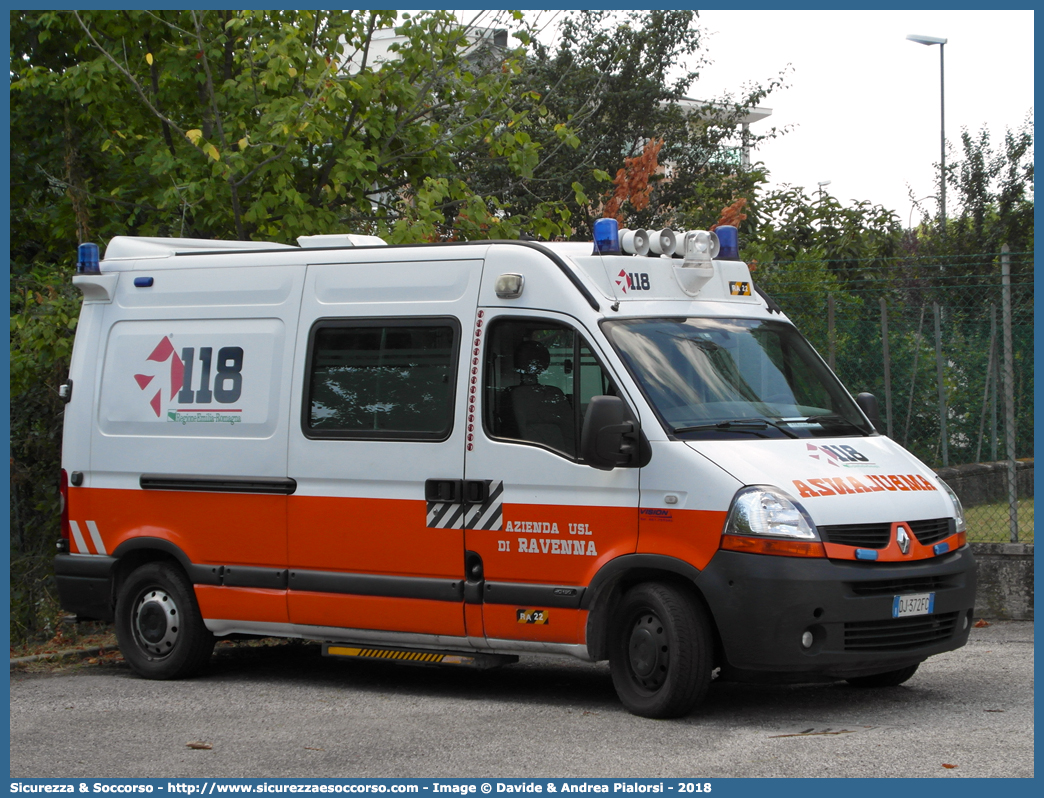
[(728, 237), (606, 237), (87, 259)]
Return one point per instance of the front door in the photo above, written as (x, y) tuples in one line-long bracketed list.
[(538, 521)]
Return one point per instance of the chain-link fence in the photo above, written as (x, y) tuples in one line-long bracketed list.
[(946, 345)]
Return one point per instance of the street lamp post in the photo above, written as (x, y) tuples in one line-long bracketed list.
[(821, 185), (930, 40)]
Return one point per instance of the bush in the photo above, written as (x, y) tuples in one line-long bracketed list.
[(44, 311)]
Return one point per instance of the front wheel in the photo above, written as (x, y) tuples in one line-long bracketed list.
[(887, 679), (660, 654), (158, 624)]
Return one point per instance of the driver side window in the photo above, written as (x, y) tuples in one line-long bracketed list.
[(539, 377)]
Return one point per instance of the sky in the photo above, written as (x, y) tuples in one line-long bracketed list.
[(862, 102)]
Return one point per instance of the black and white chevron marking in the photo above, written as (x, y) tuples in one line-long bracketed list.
[(444, 515), (488, 515)]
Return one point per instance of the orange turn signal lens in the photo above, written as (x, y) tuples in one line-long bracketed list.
[(782, 548), (962, 539)]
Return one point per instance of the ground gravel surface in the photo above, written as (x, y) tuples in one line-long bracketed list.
[(285, 711)]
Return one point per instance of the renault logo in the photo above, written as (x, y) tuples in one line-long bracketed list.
[(903, 539)]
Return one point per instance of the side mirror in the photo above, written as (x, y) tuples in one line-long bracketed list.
[(606, 440), (868, 404)]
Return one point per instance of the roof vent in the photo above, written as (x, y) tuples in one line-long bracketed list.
[(340, 240)]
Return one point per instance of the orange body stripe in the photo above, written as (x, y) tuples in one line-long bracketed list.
[(211, 528), (380, 536), (689, 535), (242, 603), (374, 612)]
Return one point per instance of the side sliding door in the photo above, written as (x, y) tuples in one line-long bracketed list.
[(381, 430)]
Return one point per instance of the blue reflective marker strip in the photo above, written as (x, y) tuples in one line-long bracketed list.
[(941, 548), (865, 554), (142, 282)]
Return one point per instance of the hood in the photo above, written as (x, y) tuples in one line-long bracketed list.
[(837, 480)]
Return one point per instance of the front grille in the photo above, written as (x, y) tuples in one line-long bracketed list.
[(877, 536), (899, 634), (892, 587), (866, 536), (932, 530)]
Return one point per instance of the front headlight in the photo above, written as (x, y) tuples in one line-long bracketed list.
[(765, 510), (958, 508)]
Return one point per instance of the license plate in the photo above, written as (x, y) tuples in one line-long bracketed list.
[(917, 604)]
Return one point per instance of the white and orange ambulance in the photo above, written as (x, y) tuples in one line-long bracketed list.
[(459, 453)]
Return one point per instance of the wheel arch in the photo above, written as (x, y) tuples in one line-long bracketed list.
[(136, 552), (618, 575)]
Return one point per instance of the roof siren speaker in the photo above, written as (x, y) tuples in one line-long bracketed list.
[(635, 242), (663, 242)]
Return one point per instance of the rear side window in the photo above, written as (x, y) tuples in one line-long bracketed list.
[(381, 378)]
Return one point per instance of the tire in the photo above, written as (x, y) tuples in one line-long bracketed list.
[(886, 679), (158, 624), (660, 651)]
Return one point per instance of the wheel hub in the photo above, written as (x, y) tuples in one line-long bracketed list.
[(156, 622), (648, 652)]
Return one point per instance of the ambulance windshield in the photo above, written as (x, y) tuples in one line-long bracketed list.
[(718, 378)]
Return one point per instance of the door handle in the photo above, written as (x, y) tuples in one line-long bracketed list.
[(443, 490), (454, 491), (476, 491)]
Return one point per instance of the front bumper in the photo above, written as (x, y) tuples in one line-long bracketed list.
[(763, 604)]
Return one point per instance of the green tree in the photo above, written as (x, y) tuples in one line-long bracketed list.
[(852, 241), (609, 85), (262, 124), (990, 204), (992, 188)]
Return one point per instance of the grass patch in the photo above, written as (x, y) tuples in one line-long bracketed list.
[(988, 523)]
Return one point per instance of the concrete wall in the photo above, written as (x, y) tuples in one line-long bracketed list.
[(1005, 581), (1005, 569), (986, 483)]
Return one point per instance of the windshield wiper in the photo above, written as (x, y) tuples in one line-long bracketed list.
[(739, 425), (834, 419)]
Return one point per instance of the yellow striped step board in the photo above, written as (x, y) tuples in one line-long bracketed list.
[(417, 657)]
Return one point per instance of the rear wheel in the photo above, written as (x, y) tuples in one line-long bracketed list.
[(158, 624), (660, 651), (886, 679)]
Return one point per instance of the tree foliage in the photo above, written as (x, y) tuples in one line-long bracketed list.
[(992, 188), (632, 185), (609, 85), (851, 241), (263, 125), (808, 250)]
